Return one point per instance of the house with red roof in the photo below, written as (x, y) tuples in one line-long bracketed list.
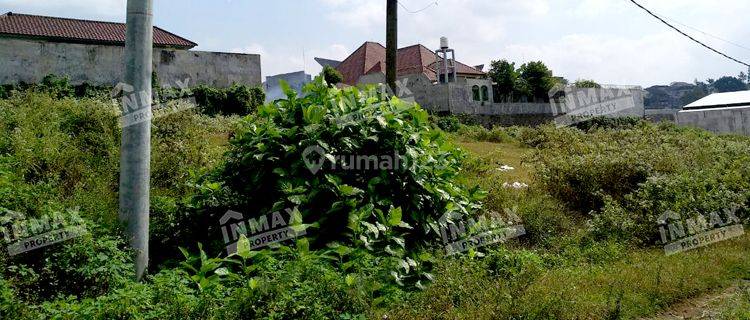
[(33, 46), (421, 70)]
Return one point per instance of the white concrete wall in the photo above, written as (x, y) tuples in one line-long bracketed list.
[(29, 61), (718, 120)]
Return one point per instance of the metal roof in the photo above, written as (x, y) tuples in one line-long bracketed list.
[(719, 100)]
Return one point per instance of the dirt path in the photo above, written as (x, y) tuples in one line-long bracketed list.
[(703, 307)]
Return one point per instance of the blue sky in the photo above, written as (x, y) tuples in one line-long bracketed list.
[(610, 41)]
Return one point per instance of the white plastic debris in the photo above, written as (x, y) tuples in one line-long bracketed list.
[(505, 168), (515, 185)]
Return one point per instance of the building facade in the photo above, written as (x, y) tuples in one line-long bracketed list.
[(32, 47)]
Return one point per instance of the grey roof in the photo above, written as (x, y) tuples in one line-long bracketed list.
[(726, 99), (327, 62)]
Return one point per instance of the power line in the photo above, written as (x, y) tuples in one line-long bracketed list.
[(688, 36), (420, 10), (705, 33)]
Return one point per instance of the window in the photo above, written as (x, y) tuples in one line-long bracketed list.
[(475, 92), (485, 93)]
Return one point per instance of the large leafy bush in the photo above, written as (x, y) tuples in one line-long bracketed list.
[(394, 211)]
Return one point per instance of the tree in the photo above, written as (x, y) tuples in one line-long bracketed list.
[(538, 79), (504, 74), (729, 84), (331, 76), (700, 90), (745, 78), (584, 83)]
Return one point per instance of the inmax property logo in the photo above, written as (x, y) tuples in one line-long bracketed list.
[(139, 107), (460, 234), (580, 104), (680, 235), (261, 231), (22, 234)]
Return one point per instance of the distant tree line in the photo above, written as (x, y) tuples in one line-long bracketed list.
[(723, 84), (531, 82)]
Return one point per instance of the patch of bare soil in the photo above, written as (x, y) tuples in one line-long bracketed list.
[(703, 307)]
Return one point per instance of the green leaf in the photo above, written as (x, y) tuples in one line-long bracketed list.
[(350, 279), (348, 190), (394, 217), (222, 271), (253, 283), (243, 247)]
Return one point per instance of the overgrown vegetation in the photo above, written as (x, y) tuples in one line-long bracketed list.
[(235, 100), (371, 250)]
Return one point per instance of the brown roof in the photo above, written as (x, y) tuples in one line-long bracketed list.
[(82, 31), (370, 58)]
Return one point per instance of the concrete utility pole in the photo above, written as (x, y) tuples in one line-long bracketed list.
[(135, 148), (391, 43)]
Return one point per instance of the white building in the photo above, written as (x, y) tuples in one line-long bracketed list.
[(727, 112)]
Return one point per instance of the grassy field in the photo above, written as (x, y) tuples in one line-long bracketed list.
[(608, 281)]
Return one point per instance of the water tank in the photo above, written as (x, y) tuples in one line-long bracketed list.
[(444, 43)]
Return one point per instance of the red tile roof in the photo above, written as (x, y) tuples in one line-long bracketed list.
[(74, 30), (370, 58)]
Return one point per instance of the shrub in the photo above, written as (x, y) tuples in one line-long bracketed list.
[(331, 76), (604, 122), (395, 210), (628, 177), (58, 86), (235, 100), (448, 123), (299, 289), (86, 266)]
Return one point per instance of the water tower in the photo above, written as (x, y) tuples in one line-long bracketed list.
[(446, 70)]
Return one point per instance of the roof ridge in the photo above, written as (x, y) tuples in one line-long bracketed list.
[(10, 13), (188, 40), (30, 25)]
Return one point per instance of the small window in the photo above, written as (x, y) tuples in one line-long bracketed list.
[(485, 94), (475, 92)]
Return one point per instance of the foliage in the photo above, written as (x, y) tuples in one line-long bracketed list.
[(604, 122), (235, 100), (729, 84), (630, 176), (584, 83), (596, 191), (532, 80), (390, 210), (537, 80), (449, 123), (496, 134), (331, 76), (504, 75)]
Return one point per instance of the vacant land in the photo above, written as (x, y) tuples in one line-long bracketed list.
[(590, 201)]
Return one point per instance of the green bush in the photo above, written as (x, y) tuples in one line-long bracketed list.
[(393, 210), (604, 122), (235, 100), (331, 76), (628, 177), (448, 123)]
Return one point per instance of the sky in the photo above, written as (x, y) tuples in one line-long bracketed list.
[(609, 41)]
